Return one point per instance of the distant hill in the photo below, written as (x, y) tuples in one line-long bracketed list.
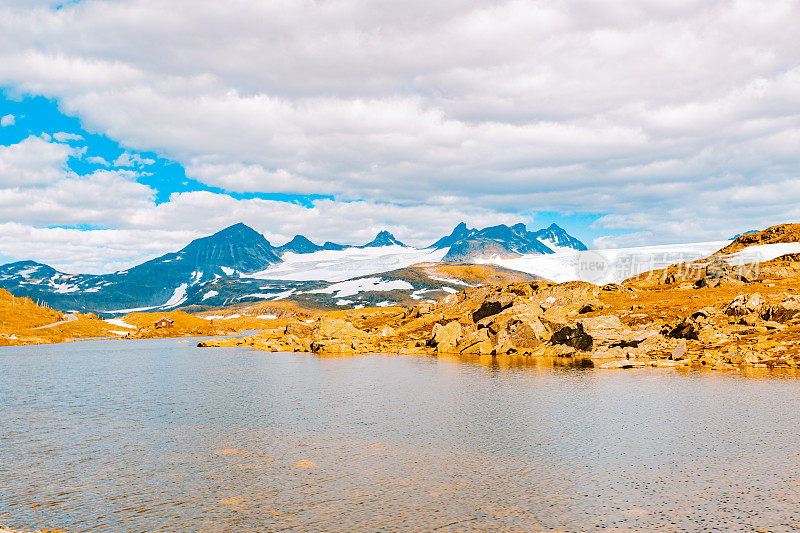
[(780, 234)]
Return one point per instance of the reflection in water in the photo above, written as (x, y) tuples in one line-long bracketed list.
[(160, 436)]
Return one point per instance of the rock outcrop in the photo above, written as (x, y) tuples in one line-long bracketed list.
[(712, 326)]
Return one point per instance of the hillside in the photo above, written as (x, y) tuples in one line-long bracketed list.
[(719, 312), (759, 254), (781, 234), (22, 321)]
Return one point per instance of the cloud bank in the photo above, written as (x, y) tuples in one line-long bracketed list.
[(677, 120)]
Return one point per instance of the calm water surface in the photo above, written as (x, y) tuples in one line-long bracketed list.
[(158, 435)]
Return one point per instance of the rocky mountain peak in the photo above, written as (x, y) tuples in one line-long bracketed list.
[(299, 245), (384, 238)]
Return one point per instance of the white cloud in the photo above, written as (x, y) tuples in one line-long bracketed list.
[(6, 120), (63, 136), (97, 160), (33, 161), (126, 159), (78, 251), (238, 177), (104, 198), (680, 120)]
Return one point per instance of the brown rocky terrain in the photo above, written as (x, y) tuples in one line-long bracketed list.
[(782, 233), (712, 316)]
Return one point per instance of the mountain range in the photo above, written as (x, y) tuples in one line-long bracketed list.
[(239, 263)]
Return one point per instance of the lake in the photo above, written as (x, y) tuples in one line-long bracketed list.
[(158, 435)]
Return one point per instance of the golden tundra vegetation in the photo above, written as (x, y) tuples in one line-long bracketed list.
[(22, 321), (705, 313), (42, 529)]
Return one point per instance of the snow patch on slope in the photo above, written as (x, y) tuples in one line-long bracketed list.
[(339, 265), (451, 280), (354, 286), (26, 272), (553, 245), (178, 297), (63, 288), (763, 252), (120, 323), (606, 266)]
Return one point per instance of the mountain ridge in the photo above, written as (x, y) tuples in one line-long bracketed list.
[(505, 241), (237, 253)]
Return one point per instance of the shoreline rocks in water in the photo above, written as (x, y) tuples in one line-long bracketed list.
[(719, 326)]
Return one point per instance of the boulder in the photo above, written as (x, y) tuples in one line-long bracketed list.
[(609, 331), (387, 331), (492, 306), (571, 293), (784, 311), (574, 337), (333, 346), (721, 273), (519, 336), (744, 304), (749, 320), (446, 338), (589, 307), (679, 352), (476, 342), (298, 328), (688, 329), (717, 270), (330, 328)]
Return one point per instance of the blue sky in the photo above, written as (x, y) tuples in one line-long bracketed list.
[(339, 119), (37, 115)]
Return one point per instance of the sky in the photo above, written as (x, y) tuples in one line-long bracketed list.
[(129, 127)]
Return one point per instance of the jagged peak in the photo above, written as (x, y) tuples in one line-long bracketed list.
[(240, 228), (384, 238)]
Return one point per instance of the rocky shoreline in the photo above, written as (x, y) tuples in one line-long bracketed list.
[(716, 322)]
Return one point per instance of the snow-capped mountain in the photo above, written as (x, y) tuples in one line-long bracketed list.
[(163, 282), (460, 232), (238, 249), (300, 245), (384, 238), (466, 245), (557, 239), (239, 262)]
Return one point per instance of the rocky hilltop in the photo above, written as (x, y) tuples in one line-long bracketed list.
[(715, 318)]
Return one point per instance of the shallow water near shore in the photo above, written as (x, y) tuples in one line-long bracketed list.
[(157, 435)]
